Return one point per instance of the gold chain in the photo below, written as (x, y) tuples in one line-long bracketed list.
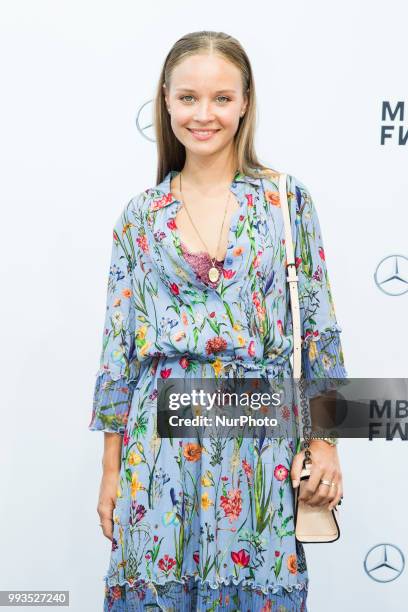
[(198, 233)]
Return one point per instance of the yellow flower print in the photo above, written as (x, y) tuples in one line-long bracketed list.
[(136, 485), (141, 332), (313, 352), (217, 366), (241, 340), (206, 502), (237, 327), (207, 479), (134, 458)]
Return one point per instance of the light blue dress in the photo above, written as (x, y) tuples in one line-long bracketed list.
[(208, 524)]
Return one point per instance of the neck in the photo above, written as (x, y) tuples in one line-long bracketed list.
[(207, 176)]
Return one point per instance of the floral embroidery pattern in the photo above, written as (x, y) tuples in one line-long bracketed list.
[(208, 524)]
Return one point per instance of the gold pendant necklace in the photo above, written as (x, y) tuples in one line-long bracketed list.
[(213, 272)]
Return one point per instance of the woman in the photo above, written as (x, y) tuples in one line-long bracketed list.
[(197, 289)]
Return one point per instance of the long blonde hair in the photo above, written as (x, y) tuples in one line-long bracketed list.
[(171, 153)]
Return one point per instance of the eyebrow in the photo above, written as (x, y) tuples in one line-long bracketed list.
[(217, 92)]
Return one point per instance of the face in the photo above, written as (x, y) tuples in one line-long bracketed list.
[(206, 100)]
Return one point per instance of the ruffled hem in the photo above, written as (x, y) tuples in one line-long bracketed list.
[(134, 371), (193, 594), (317, 335), (227, 581), (323, 363), (111, 403)]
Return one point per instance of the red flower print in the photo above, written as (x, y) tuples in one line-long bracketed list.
[(280, 472), (171, 224), (241, 557), (215, 345), (321, 253), (166, 563), (142, 242), (298, 261), (184, 362), (174, 289), (126, 438), (161, 202), (247, 468), (280, 327), (277, 553), (196, 556), (250, 199), (267, 607), (212, 314), (117, 592), (165, 373), (228, 274), (251, 348), (232, 505)]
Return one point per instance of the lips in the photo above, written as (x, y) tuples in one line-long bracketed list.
[(202, 131)]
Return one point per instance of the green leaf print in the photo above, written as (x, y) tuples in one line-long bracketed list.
[(229, 313), (262, 506)]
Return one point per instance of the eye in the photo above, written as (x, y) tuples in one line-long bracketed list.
[(187, 96), (218, 97)]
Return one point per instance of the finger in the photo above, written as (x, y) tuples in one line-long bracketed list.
[(338, 497), (296, 468), (327, 493), (311, 484), (107, 527)]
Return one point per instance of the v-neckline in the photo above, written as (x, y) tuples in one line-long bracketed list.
[(175, 236)]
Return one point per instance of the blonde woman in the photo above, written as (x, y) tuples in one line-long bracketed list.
[(197, 288)]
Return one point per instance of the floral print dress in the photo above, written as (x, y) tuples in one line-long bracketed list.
[(208, 525)]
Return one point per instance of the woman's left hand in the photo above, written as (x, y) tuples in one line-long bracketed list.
[(325, 466)]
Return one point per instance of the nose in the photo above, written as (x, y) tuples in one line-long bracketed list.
[(203, 112)]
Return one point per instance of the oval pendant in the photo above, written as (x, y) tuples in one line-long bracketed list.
[(213, 274)]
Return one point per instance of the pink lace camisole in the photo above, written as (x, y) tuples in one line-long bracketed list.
[(201, 263)]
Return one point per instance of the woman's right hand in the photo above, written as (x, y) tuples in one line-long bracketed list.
[(107, 501)]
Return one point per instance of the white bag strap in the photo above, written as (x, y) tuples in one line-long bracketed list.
[(292, 278)]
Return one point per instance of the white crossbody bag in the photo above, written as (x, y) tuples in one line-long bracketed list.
[(312, 524)]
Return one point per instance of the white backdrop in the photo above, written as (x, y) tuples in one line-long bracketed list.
[(74, 76)]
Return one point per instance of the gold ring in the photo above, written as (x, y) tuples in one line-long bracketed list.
[(328, 483)]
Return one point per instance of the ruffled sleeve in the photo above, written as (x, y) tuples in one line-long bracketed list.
[(322, 354), (118, 370)]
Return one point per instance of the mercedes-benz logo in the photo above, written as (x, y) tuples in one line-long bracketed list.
[(384, 562), (144, 121), (391, 275)]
